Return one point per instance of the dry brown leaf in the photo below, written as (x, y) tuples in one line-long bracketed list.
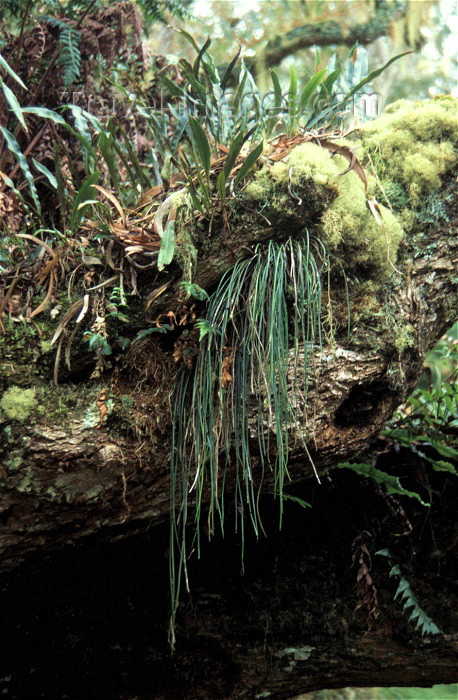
[(114, 201), (69, 314), (349, 155), (149, 195), (41, 307), (152, 296), (226, 377)]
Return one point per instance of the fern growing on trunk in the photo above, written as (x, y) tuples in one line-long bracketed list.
[(262, 325)]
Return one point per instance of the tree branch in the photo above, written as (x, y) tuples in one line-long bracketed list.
[(329, 33)]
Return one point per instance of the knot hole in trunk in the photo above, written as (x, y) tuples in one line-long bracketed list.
[(362, 406)]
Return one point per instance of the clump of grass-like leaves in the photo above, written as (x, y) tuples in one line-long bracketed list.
[(262, 324)]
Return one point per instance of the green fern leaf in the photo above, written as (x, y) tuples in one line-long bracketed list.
[(70, 55)]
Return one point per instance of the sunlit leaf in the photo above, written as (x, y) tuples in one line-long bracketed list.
[(167, 248), (14, 104), (248, 163)]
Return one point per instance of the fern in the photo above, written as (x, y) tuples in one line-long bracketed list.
[(391, 483), (263, 319), (70, 55), (153, 10), (424, 623)]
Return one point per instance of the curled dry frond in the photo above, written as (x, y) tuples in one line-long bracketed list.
[(366, 590)]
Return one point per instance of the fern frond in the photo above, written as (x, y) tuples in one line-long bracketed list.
[(70, 55), (153, 10), (424, 624)]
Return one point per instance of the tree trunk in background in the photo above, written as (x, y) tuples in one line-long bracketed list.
[(330, 33)]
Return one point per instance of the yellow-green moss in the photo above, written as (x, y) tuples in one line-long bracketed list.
[(412, 146), (45, 347), (370, 242), (404, 337), (185, 251), (347, 223), (17, 403)]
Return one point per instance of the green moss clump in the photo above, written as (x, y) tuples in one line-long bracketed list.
[(185, 250), (404, 337), (348, 220), (17, 403), (45, 347), (347, 225), (413, 145)]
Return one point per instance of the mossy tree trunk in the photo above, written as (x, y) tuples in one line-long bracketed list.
[(90, 458), (65, 476)]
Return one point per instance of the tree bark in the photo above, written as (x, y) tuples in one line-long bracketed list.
[(292, 623), (76, 477), (70, 474)]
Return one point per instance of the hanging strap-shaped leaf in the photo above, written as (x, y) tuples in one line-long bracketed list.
[(248, 163), (196, 65), (47, 173), (6, 67), (46, 113), (167, 248), (203, 147), (229, 70), (16, 150), (374, 74), (14, 105)]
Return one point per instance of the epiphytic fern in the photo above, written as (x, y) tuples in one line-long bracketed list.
[(262, 325), (405, 594), (69, 56)]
